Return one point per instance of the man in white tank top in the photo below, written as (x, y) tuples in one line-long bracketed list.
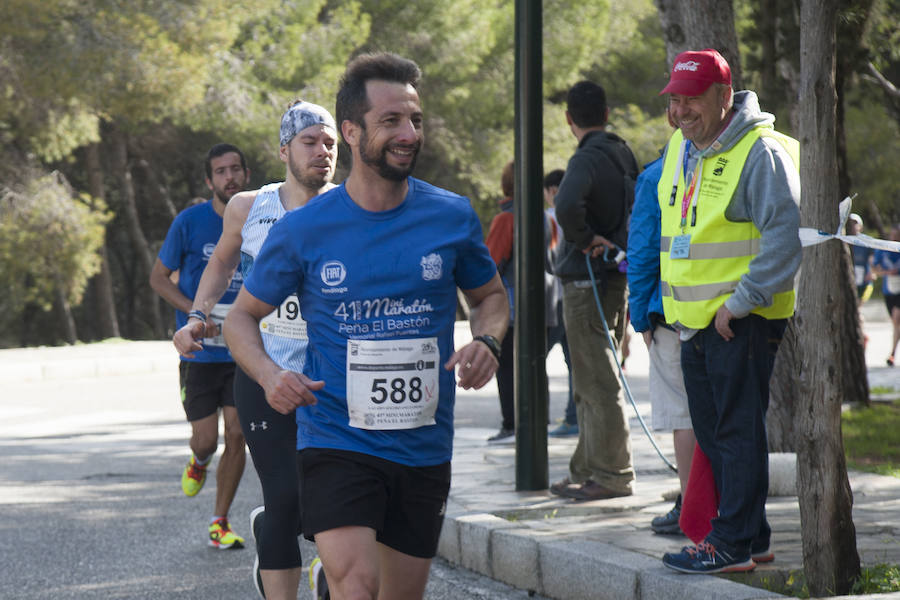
[(308, 147)]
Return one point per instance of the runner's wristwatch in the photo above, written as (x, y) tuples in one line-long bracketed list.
[(492, 344)]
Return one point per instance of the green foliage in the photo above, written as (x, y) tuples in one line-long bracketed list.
[(872, 438), (873, 150), (294, 50), (65, 130), (879, 579), (49, 241), (884, 34)]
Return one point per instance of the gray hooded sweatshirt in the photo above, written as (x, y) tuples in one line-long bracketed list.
[(768, 194)]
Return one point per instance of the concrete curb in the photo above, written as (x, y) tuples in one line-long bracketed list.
[(573, 570)]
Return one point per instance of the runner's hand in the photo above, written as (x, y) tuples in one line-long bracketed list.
[(287, 390), (185, 339), (477, 365)]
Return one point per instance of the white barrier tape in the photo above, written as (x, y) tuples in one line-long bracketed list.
[(811, 237)]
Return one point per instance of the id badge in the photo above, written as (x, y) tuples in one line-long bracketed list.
[(681, 247)]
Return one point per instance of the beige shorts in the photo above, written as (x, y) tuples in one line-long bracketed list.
[(668, 399)]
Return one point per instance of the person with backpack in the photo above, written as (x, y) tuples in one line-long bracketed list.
[(592, 207)]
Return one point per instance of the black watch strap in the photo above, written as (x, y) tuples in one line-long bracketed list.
[(491, 342)]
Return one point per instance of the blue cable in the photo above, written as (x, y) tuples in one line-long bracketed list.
[(612, 345)]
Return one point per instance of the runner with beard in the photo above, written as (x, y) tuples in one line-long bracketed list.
[(308, 147), (375, 263), (207, 378)]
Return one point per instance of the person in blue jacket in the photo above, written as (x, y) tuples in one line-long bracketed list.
[(668, 398)]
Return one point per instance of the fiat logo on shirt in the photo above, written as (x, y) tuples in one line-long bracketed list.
[(333, 273)]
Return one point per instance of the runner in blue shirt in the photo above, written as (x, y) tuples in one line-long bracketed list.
[(887, 266), (207, 377), (375, 263)]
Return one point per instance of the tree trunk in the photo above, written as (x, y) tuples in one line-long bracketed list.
[(830, 559), (64, 311), (139, 241), (784, 390), (673, 28), (106, 322), (701, 24), (767, 13), (153, 183)]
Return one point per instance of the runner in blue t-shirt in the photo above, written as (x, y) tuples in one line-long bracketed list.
[(308, 147), (887, 266), (862, 261), (207, 376), (375, 264)]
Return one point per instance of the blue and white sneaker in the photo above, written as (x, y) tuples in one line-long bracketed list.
[(706, 558)]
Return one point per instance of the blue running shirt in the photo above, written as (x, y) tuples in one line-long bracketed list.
[(382, 284), (189, 243), (284, 331), (890, 285)]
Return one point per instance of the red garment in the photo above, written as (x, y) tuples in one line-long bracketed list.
[(700, 503), (499, 239)]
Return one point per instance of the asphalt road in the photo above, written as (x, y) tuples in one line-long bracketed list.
[(91, 504)]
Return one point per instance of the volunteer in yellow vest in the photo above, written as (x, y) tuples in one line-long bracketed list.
[(729, 251)]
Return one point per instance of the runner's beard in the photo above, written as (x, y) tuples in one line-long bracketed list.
[(310, 182), (224, 196), (380, 161)]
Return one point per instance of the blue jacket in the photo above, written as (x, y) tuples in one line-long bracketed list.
[(643, 249)]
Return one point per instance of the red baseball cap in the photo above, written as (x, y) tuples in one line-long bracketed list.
[(694, 71)]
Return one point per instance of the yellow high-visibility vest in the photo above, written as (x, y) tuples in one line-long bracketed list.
[(700, 272)]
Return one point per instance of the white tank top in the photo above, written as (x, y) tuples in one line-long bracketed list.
[(284, 330)]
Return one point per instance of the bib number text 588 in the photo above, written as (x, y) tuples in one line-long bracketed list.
[(400, 390)]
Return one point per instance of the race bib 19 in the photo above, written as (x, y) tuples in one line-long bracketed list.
[(285, 321), (392, 384)]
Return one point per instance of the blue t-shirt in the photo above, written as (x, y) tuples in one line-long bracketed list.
[(861, 267), (381, 277), (890, 285), (188, 245)]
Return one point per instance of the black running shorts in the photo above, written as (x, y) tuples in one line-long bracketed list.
[(404, 505), (205, 387), (891, 301)]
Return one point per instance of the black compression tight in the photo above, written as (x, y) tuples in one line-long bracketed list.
[(272, 439)]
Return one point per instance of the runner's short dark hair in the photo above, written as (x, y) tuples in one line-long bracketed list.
[(352, 102), (217, 151)]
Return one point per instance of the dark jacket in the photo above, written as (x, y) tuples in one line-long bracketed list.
[(594, 198)]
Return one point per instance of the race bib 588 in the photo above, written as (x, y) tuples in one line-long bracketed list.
[(392, 384)]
